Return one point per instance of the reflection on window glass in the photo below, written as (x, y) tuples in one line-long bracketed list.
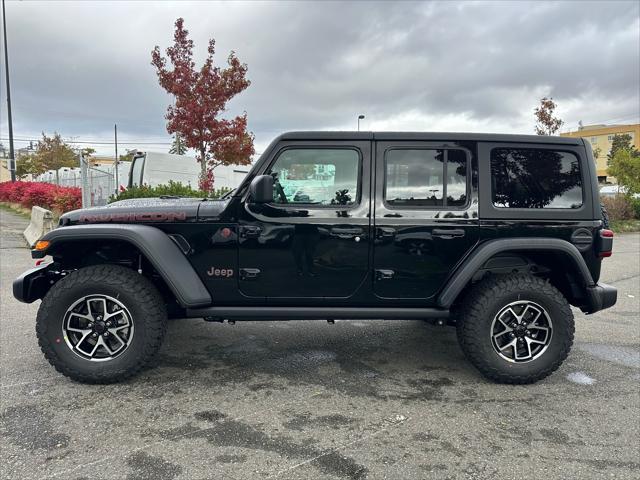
[(316, 176), (415, 178), (535, 178), (456, 178)]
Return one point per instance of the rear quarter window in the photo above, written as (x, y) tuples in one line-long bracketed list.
[(535, 178)]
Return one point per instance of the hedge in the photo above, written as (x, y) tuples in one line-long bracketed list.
[(45, 195), (175, 189)]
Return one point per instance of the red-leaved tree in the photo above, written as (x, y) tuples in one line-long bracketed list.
[(201, 96), (546, 123)]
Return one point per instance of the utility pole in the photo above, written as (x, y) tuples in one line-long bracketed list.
[(115, 133), (12, 158)]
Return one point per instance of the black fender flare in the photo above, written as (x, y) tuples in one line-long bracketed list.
[(165, 256), (474, 261)]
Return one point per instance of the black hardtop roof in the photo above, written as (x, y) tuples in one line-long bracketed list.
[(428, 136)]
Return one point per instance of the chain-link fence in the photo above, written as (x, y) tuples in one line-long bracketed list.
[(98, 182)]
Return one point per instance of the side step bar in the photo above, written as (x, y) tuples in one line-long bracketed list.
[(315, 313)]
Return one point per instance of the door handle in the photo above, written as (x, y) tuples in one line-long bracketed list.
[(249, 273), (346, 232), (447, 233), (382, 274), (385, 232), (250, 231)]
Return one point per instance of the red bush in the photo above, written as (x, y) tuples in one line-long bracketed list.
[(45, 195)]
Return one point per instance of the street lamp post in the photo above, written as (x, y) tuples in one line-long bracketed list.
[(12, 158), (360, 117)]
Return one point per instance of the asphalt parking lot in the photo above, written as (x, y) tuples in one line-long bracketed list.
[(299, 400)]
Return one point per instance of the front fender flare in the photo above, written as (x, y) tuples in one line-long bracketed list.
[(463, 275), (155, 245)]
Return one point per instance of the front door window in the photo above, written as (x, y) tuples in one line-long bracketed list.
[(319, 177)]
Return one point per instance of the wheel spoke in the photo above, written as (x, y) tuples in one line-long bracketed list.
[(80, 315), (96, 300), (95, 347), (106, 345), (107, 316), (511, 311), (531, 323), (116, 336), (497, 335), (84, 337), (536, 327), (512, 343), (506, 325), (79, 330)]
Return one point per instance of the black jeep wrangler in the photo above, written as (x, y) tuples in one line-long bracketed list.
[(497, 234)]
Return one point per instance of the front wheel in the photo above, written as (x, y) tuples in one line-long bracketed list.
[(101, 324), (515, 328)]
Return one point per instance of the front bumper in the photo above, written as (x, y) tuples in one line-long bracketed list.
[(32, 284), (599, 297)]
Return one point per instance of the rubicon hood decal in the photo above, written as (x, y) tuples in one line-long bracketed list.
[(132, 217)]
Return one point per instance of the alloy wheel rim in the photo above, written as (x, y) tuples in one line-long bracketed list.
[(98, 328), (521, 331)]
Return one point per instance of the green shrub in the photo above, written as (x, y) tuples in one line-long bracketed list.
[(175, 189), (635, 204)]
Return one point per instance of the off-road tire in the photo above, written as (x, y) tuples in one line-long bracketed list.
[(483, 303), (137, 293)]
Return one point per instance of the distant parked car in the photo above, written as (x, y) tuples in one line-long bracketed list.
[(613, 190)]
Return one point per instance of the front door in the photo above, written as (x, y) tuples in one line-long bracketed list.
[(312, 241), (425, 216)]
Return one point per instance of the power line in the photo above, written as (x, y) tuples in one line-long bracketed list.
[(94, 142)]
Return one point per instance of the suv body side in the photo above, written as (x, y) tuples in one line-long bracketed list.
[(373, 252)]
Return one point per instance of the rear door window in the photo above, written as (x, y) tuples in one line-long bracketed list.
[(535, 178), (429, 178)]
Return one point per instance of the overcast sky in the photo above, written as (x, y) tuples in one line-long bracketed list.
[(79, 67)]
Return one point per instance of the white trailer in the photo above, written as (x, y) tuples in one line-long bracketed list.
[(151, 168)]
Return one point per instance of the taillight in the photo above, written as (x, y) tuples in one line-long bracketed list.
[(606, 243)]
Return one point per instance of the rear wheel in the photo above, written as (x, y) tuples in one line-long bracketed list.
[(515, 328), (101, 324)]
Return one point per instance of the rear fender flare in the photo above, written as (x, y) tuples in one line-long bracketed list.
[(476, 259), (165, 256)]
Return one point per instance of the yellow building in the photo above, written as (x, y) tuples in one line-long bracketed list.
[(600, 137), (5, 175)]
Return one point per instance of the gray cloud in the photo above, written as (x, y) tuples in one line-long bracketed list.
[(80, 67)]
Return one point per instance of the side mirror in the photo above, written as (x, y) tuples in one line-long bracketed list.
[(261, 189)]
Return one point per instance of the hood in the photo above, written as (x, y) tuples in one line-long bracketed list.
[(148, 210)]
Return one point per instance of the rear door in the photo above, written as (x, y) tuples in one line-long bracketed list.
[(540, 190), (425, 215)]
